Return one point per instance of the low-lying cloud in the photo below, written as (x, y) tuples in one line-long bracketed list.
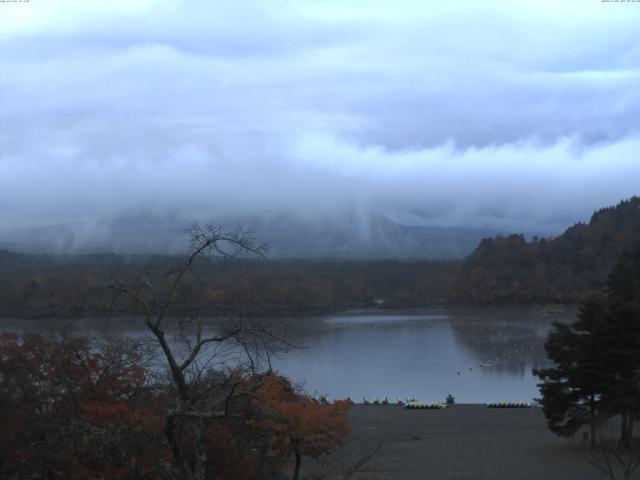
[(479, 113)]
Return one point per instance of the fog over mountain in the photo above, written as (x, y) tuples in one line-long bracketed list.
[(339, 122), (374, 236)]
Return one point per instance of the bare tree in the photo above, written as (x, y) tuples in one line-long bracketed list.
[(615, 458), (192, 348)]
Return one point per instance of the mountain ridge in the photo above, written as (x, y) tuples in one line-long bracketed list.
[(344, 236)]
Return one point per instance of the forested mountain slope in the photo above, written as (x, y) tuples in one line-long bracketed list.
[(564, 269)]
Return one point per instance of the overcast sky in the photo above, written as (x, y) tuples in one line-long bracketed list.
[(519, 114)]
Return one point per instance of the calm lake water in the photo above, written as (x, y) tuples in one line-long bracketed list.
[(477, 356)]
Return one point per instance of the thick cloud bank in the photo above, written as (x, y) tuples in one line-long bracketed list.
[(491, 114)]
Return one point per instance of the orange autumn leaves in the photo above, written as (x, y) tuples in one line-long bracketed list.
[(297, 423), (75, 409)]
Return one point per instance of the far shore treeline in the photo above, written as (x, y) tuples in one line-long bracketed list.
[(502, 270)]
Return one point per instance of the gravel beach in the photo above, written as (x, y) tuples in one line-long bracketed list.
[(463, 442)]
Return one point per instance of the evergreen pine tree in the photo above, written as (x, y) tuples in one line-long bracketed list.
[(597, 359)]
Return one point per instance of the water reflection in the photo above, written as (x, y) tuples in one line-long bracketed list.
[(504, 342), (478, 356)]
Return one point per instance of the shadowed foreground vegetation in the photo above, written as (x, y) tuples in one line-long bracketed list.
[(75, 408)]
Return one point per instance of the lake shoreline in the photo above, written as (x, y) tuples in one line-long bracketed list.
[(475, 355), (460, 308)]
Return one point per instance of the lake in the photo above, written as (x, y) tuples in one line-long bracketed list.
[(475, 355)]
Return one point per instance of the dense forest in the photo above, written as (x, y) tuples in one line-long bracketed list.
[(565, 269), (51, 285)]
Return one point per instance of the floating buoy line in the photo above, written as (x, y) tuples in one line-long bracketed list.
[(508, 405)]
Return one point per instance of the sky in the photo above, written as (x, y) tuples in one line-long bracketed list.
[(512, 115)]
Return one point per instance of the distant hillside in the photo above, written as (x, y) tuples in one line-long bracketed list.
[(564, 269), (62, 285), (342, 236), (374, 236)]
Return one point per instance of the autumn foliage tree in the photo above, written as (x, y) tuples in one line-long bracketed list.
[(74, 409), (296, 424), (565, 269)]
